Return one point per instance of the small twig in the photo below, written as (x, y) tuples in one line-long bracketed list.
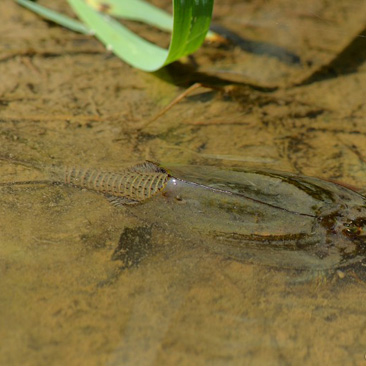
[(173, 103), (61, 117), (28, 63), (27, 182), (48, 53)]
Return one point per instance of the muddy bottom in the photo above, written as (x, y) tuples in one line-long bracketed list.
[(287, 94)]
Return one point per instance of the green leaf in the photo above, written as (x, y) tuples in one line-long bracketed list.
[(191, 23), (55, 17), (189, 26), (137, 10)]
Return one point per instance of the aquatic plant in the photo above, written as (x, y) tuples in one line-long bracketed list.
[(188, 26)]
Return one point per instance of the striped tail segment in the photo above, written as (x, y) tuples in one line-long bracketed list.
[(134, 184)]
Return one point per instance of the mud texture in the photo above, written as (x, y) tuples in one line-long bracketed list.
[(286, 91)]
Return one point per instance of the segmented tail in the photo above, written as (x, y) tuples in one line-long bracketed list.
[(135, 184), (130, 186)]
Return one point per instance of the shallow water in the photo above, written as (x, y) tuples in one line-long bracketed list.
[(67, 297)]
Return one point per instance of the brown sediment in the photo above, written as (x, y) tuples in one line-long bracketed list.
[(65, 100)]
